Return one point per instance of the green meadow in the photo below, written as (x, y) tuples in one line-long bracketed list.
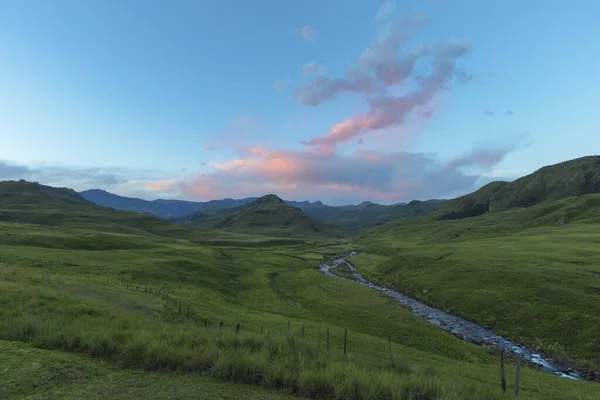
[(531, 274), (95, 302)]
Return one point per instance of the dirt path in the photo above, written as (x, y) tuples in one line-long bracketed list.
[(466, 330)]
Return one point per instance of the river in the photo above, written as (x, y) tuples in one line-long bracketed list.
[(466, 330)]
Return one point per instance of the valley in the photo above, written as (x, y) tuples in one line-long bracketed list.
[(237, 301)]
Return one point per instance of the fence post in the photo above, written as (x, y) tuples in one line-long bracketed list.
[(261, 330), (289, 322), (188, 313), (221, 324), (327, 339), (302, 330), (345, 339), (205, 322), (518, 375), (237, 330), (502, 376), (390, 345)]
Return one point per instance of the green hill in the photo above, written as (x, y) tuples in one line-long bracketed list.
[(267, 215), (59, 208), (570, 178), (368, 215), (92, 292), (531, 274), (28, 195)]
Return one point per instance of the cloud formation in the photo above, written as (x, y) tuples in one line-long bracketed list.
[(281, 84), (122, 180), (340, 178), (307, 33), (488, 113), (389, 63), (313, 68), (398, 80)]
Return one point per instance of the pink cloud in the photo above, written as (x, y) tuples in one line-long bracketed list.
[(389, 62), (320, 170), (386, 111), (163, 186), (334, 177), (307, 33)]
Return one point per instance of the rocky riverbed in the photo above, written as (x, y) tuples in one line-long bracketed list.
[(466, 330)]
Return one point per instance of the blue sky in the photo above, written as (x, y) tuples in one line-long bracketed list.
[(340, 101)]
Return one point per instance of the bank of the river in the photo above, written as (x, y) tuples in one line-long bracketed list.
[(466, 330)]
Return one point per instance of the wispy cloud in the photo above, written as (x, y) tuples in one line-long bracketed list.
[(122, 180), (313, 68), (389, 63), (307, 33), (488, 113), (399, 80), (282, 84), (342, 178)]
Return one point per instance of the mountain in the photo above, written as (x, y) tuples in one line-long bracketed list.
[(31, 203), (266, 215), (165, 209), (368, 214), (570, 178), (305, 205), (23, 194), (171, 209)]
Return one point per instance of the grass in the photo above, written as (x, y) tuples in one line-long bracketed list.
[(64, 295), (554, 182), (29, 373), (77, 301), (267, 215), (531, 274)]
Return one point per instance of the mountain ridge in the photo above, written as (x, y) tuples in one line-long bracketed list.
[(267, 214), (171, 209), (574, 177)]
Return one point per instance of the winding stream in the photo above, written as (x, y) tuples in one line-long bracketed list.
[(466, 330)]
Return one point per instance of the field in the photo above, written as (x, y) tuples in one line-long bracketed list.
[(87, 291), (66, 288), (531, 274)]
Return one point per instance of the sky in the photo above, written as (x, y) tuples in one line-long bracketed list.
[(341, 101)]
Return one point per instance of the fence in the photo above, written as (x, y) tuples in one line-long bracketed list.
[(207, 323)]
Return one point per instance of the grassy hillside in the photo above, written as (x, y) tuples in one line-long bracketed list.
[(368, 215), (108, 304), (532, 274), (267, 215), (29, 373), (570, 178)]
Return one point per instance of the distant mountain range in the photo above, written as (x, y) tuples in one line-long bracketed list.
[(353, 217), (173, 209), (569, 178)]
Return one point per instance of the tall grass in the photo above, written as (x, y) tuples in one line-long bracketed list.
[(274, 360)]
